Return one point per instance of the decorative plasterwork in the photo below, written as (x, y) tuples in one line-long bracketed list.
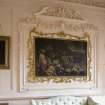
[(95, 3), (60, 11), (64, 20), (61, 24), (54, 25)]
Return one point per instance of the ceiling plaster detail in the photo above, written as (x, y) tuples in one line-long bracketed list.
[(97, 3)]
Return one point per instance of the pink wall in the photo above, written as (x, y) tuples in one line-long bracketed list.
[(10, 15)]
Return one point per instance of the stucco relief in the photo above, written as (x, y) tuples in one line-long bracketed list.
[(60, 19), (48, 21), (64, 12)]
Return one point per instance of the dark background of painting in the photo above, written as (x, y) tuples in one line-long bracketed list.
[(64, 57), (2, 52)]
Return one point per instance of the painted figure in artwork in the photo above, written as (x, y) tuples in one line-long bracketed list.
[(60, 57)]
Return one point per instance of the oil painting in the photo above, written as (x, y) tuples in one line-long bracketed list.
[(60, 57), (4, 52)]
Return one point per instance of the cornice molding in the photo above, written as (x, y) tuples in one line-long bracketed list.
[(95, 3)]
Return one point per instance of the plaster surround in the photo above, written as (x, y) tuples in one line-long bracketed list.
[(53, 20)]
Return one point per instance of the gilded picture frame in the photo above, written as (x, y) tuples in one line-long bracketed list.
[(66, 77), (4, 52)]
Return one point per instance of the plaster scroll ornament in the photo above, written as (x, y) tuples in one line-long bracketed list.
[(61, 11), (60, 18)]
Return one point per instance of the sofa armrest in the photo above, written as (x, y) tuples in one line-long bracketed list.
[(91, 102)]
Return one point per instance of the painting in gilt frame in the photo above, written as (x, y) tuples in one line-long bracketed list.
[(4, 52), (58, 59)]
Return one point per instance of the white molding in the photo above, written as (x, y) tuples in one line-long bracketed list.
[(95, 3), (42, 94), (15, 3)]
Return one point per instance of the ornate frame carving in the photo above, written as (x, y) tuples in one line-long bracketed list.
[(31, 65)]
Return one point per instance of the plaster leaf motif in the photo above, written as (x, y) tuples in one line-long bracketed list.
[(61, 11)]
